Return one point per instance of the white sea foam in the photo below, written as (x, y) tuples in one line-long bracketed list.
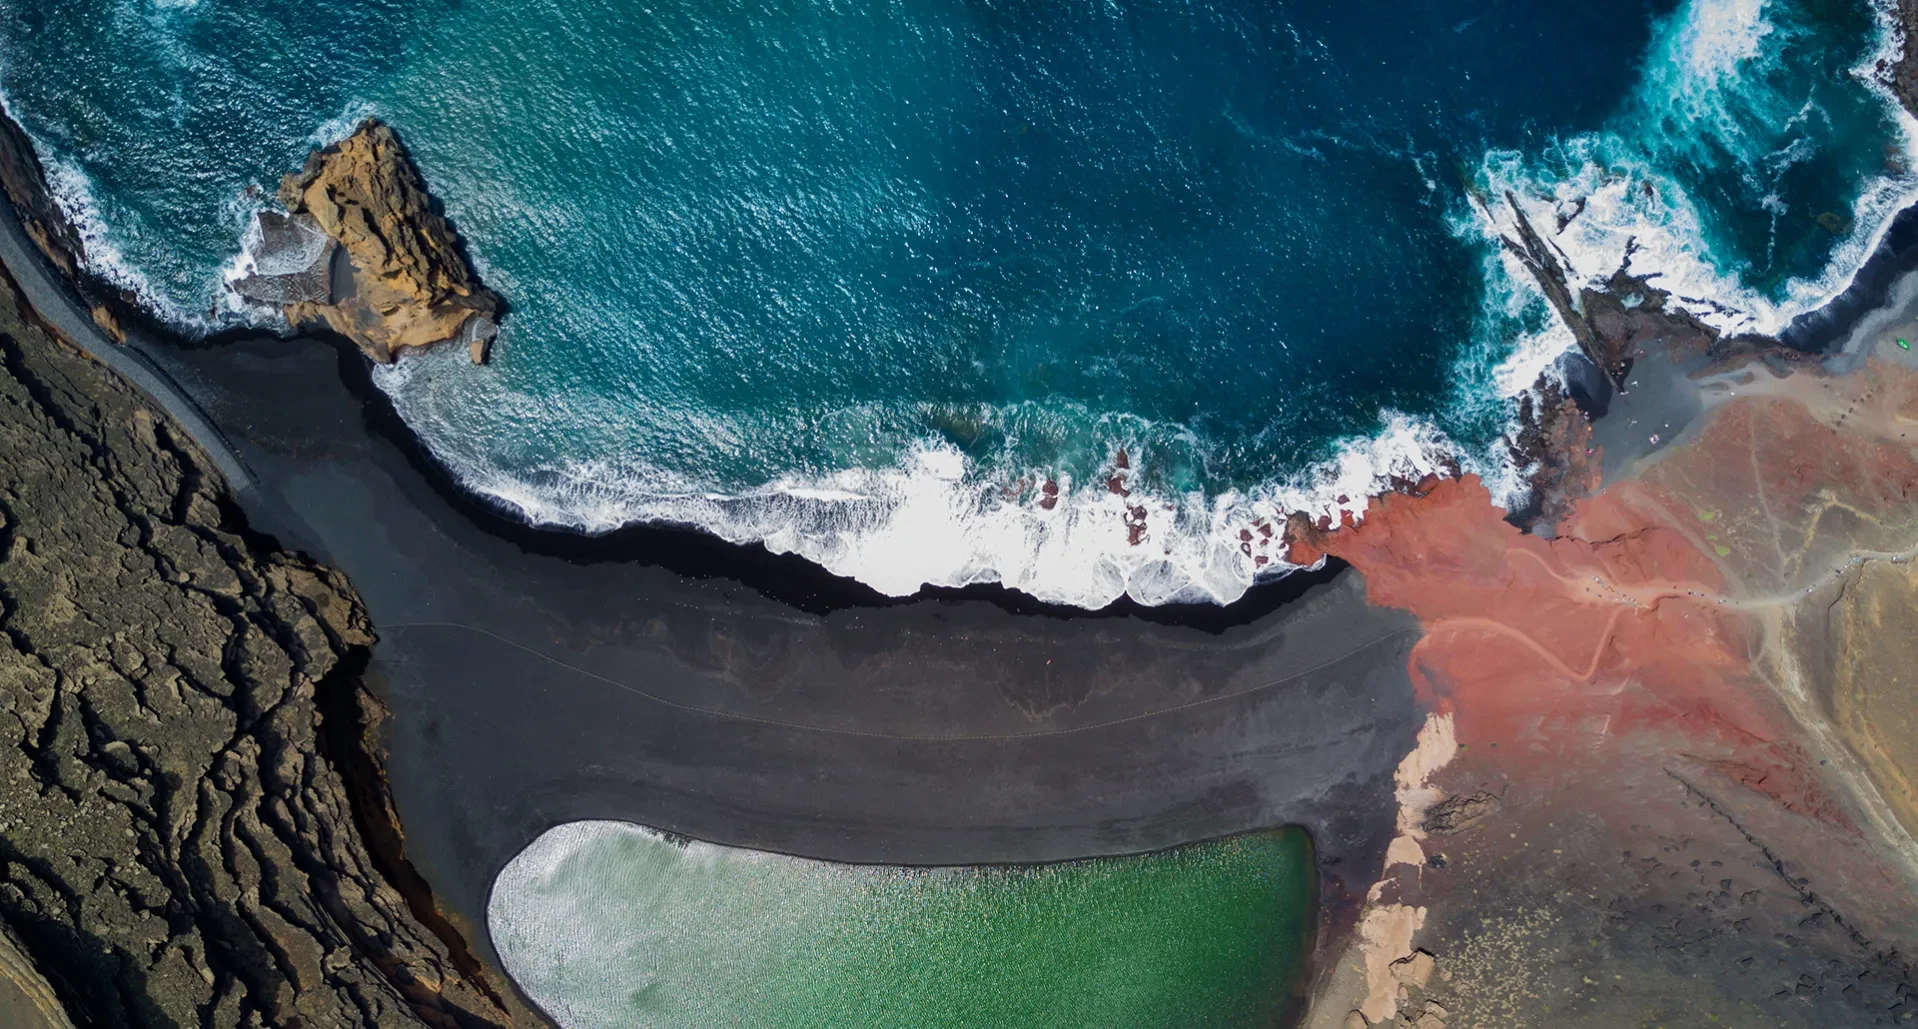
[(240, 211), (1700, 88), (74, 194), (341, 125), (937, 519)]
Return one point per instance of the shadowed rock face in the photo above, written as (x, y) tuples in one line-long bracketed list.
[(407, 284), (24, 180), (27, 1000), (178, 845), (293, 261)]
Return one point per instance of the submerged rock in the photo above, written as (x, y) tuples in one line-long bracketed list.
[(399, 279)]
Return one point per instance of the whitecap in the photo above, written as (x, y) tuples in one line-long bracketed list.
[(1702, 87)]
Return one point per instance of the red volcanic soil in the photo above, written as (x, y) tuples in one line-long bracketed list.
[(1676, 831), (1547, 648), (1645, 613)]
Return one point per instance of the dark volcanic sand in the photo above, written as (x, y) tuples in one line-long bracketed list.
[(1698, 800), (534, 688), (663, 678)]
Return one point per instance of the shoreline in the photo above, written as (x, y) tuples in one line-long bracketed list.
[(476, 781), (501, 639), (698, 552), (537, 677)]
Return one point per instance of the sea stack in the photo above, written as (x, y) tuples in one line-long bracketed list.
[(362, 251)]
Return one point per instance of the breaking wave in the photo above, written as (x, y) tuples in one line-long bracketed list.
[(1716, 102), (1726, 107), (938, 519), (1708, 175)]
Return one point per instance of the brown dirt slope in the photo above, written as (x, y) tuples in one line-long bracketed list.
[(178, 846), (1693, 709)]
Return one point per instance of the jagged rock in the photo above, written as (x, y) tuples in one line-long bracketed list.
[(1553, 447), (24, 180), (1415, 971), (403, 281), (194, 828), (1902, 74), (108, 322), (292, 260), (1457, 814)]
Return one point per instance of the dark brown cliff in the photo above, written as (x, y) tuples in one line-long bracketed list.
[(179, 845)]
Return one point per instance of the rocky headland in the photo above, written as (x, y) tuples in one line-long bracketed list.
[(1677, 796), (193, 824), (363, 250), (1666, 775), (1669, 778)]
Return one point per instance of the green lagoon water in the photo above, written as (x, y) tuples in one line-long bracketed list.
[(610, 925)]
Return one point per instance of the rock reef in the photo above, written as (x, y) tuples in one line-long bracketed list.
[(363, 250), (193, 824)]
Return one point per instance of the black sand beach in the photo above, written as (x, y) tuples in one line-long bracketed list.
[(534, 688), (663, 677), (719, 692)]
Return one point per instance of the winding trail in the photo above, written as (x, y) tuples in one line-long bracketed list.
[(1647, 596)]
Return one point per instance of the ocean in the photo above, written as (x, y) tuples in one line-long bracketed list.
[(1074, 297), (609, 925)]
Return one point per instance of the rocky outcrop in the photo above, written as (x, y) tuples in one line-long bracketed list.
[(1552, 443), (24, 180), (1614, 320), (399, 279), (1902, 74), (1682, 790), (191, 812), (292, 261)]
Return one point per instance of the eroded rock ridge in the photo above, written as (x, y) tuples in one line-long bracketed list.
[(183, 739)]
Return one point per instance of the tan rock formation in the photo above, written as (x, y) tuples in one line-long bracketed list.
[(27, 1000), (405, 283)]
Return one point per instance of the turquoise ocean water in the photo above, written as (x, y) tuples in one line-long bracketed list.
[(857, 280)]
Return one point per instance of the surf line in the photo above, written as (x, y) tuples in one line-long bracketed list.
[(957, 738)]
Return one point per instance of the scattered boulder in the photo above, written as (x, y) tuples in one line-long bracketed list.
[(109, 323)]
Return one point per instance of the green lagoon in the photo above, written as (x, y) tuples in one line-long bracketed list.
[(610, 925)]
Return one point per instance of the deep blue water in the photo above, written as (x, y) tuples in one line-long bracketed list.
[(858, 278)]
